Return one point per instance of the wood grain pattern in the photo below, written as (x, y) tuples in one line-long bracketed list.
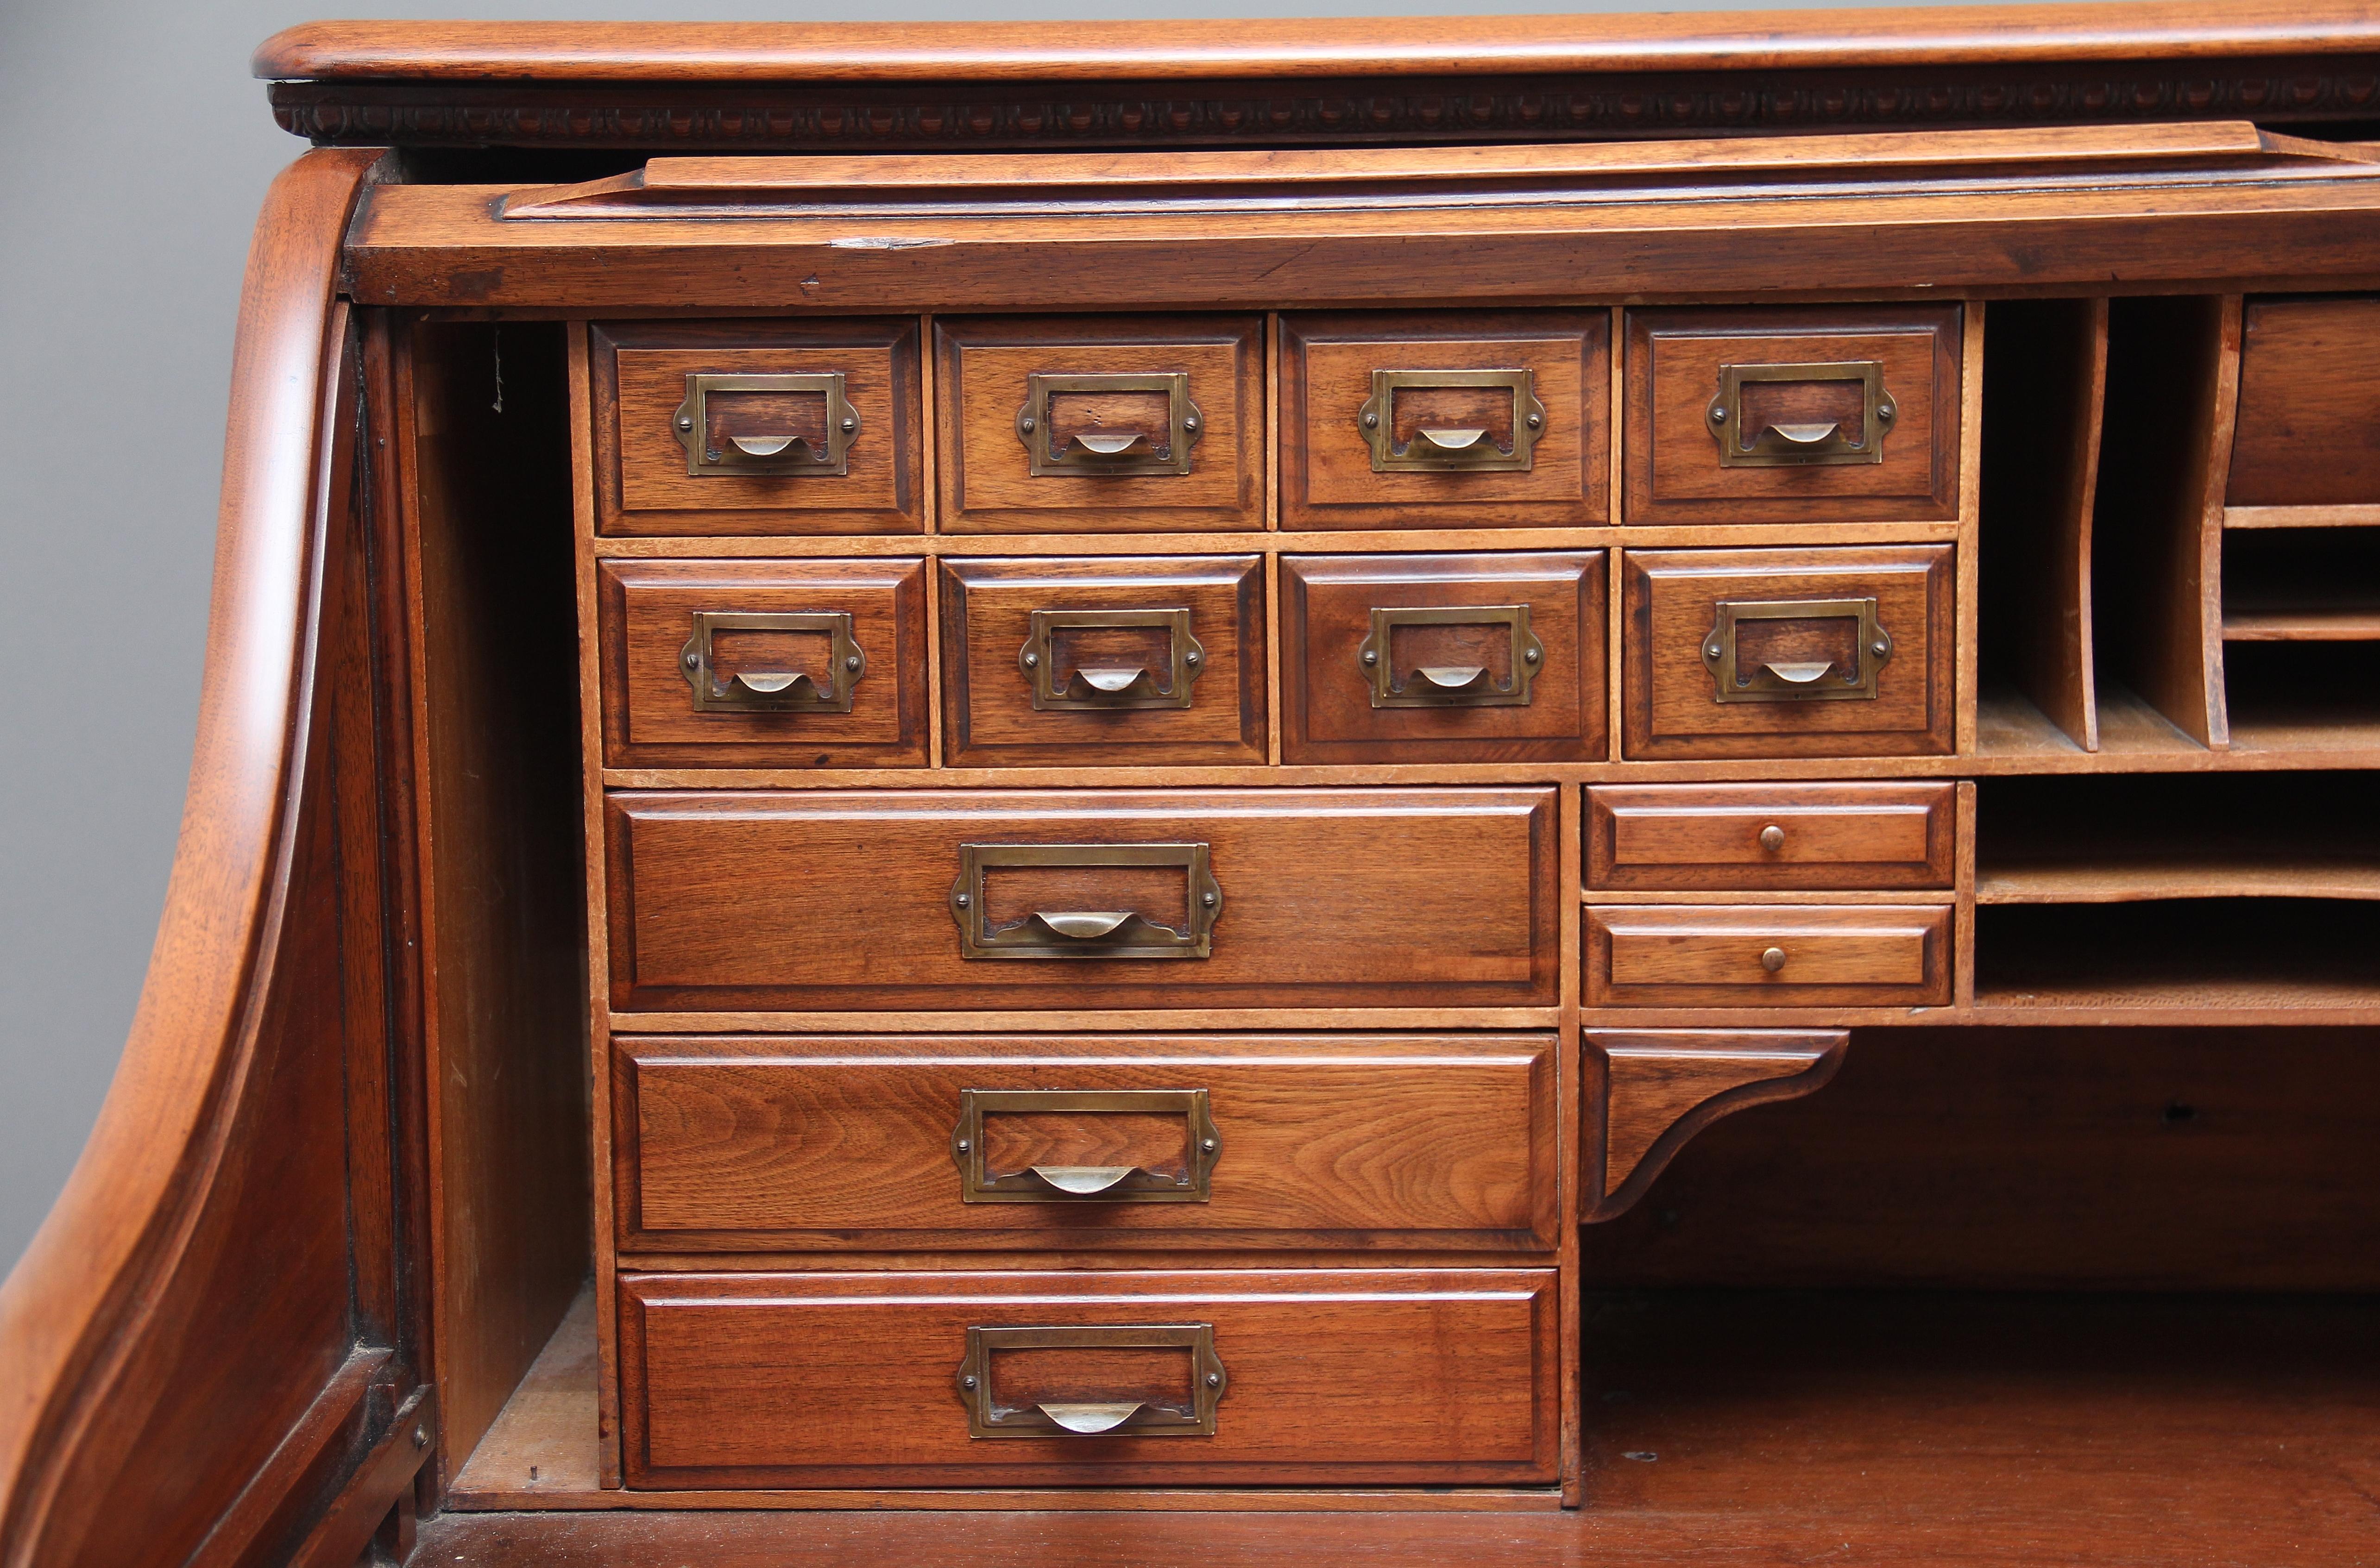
[(2305, 436), (987, 483), (1670, 600), (1662, 1087), (1689, 954), (1327, 712), (1326, 461), (987, 606), (1336, 1375), (827, 900), (646, 612), (1672, 365), (641, 370), (1354, 1141), (1673, 838)]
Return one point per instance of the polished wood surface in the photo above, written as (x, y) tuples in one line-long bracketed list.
[(1441, 1376), (1774, 955), (2304, 434), (1661, 1087), (1673, 838)]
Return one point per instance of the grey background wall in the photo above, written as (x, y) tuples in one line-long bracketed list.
[(138, 150)]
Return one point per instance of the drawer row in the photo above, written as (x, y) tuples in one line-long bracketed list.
[(929, 900), (1155, 660), (1386, 421)]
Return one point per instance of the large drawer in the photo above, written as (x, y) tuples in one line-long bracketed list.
[(933, 899), (1315, 1377), (1349, 1141)]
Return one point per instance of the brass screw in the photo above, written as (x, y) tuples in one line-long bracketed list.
[(1370, 658), (1214, 1380), (967, 1382), (1719, 415), (1773, 959), (1190, 658), (1772, 838), (850, 425), (1535, 420), (422, 1437), (1207, 1144), (965, 1145), (1189, 424), (1026, 426), (1032, 660), (961, 901), (1531, 656), (1207, 900), (1885, 413), (1879, 647), (685, 421), (1371, 421)]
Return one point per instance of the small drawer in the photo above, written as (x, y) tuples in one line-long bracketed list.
[(929, 900), (1768, 956), (1065, 1141), (1793, 414), (1681, 837), (1310, 1376), (1790, 653), (1419, 419), (1110, 661), (726, 427), (763, 663), (1443, 657), (1081, 424), (2308, 381)]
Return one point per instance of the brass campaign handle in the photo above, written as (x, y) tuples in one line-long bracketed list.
[(1745, 440), (981, 1183), (1165, 450), (1799, 680), (768, 454), (1452, 450), (990, 1416), (824, 691), (1095, 933), (1110, 686), (1457, 685)]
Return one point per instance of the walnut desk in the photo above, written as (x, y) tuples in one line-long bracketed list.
[(1027, 786)]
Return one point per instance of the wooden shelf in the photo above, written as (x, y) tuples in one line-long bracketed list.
[(2211, 877)]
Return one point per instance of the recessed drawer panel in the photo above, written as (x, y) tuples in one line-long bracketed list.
[(724, 427), (930, 899), (1793, 414), (1109, 661), (1070, 424), (1312, 1377), (1443, 657), (1415, 419), (2309, 385), (1676, 956), (1822, 652), (1321, 1141), (1682, 836), (763, 663)]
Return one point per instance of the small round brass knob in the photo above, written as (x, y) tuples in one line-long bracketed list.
[(1773, 959), (1772, 838)]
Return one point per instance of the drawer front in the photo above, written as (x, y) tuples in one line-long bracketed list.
[(1313, 1377), (1793, 414), (724, 427), (1123, 660), (2309, 381), (1443, 657), (1416, 419), (1681, 956), (1820, 652), (930, 899), (1321, 1141), (763, 663), (1073, 423), (1676, 837)]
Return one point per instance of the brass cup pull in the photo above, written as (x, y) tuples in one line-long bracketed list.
[(1109, 685), (1076, 934), (826, 689), (769, 452), (1776, 416), (1795, 650), (1103, 449), (1188, 1181), (1396, 684), (1002, 1404), (1465, 449)]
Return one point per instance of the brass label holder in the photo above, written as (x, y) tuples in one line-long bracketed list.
[(988, 1416), (1449, 686), (1109, 452), (1085, 934), (1803, 682), (1109, 686), (1814, 444), (1469, 451), (979, 1183), (829, 690), (770, 456)]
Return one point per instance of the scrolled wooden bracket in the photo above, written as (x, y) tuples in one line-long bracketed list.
[(1655, 1088)]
